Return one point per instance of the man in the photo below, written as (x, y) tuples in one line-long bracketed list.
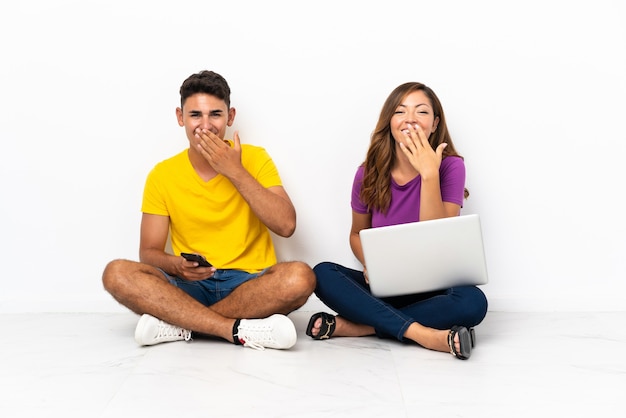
[(219, 199)]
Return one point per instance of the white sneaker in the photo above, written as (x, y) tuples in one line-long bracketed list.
[(276, 331), (151, 330)]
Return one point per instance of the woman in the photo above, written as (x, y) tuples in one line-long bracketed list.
[(411, 173)]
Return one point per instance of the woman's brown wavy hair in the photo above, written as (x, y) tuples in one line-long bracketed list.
[(376, 188)]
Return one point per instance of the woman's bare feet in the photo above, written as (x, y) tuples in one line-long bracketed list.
[(430, 338), (433, 339)]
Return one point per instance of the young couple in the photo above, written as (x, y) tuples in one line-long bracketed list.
[(220, 198)]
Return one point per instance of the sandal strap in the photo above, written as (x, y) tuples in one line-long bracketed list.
[(465, 341), (451, 344), (327, 328)]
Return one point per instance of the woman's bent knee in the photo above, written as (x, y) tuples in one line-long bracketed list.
[(478, 307), (325, 270), (323, 267)]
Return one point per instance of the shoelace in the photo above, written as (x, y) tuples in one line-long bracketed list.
[(254, 338), (252, 344), (168, 330)]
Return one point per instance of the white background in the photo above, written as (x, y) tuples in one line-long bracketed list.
[(534, 92)]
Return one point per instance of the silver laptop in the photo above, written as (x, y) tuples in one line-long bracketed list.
[(424, 256)]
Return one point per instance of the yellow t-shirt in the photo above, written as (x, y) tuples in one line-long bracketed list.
[(211, 218)]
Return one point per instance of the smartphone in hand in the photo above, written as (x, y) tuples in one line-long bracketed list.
[(202, 262)]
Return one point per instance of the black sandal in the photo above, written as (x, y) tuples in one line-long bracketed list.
[(465, 341), (326, 329)]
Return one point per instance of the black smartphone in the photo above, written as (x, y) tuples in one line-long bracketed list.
[(196, 257)]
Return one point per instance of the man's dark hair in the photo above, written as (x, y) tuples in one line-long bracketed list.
[(207, 82)]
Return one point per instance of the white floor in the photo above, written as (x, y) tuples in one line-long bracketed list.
[(525, 364)]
